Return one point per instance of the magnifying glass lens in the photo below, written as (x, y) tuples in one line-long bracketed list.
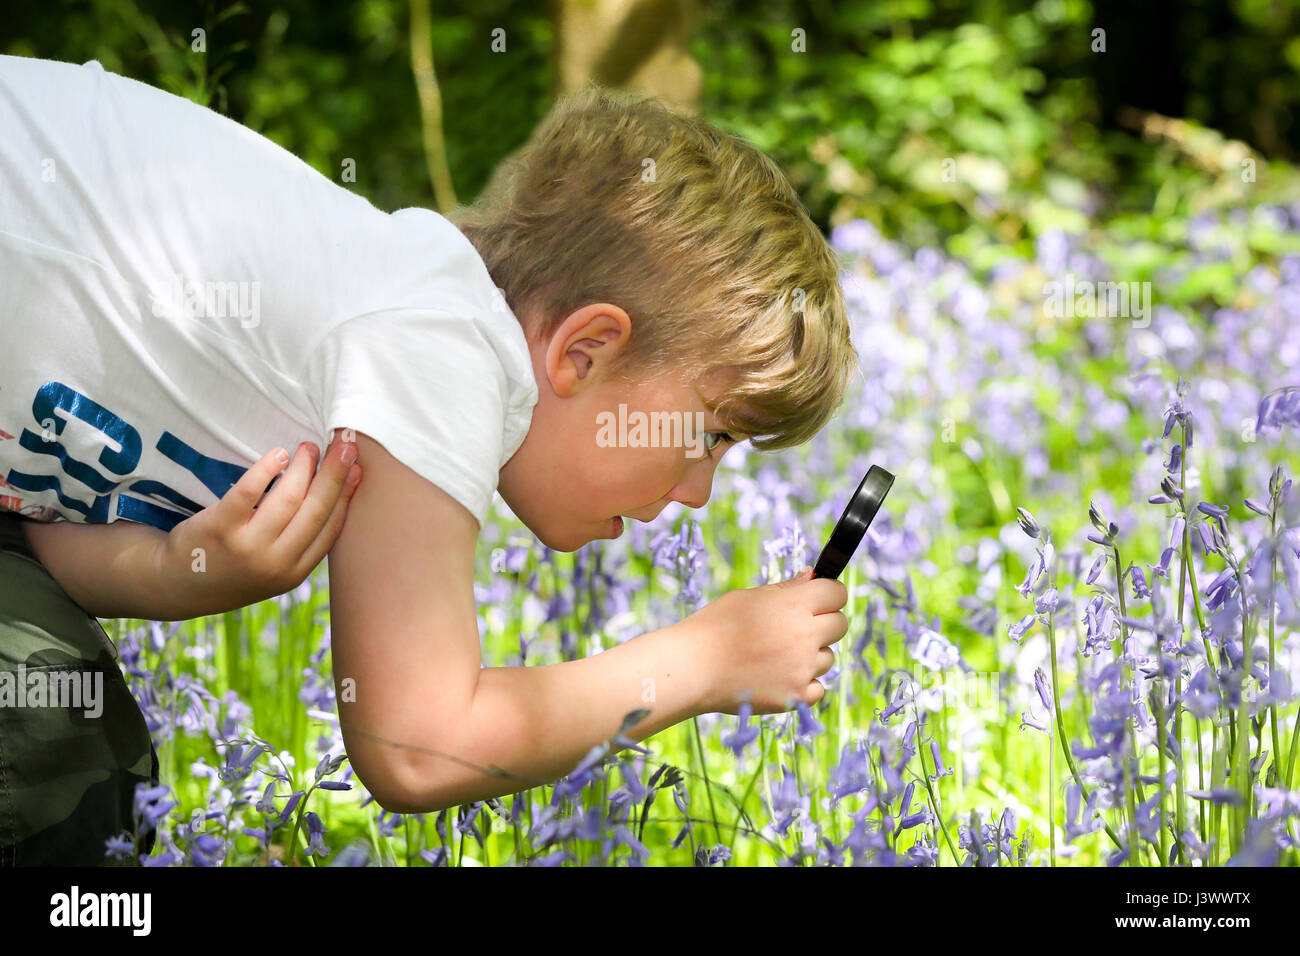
[(853, 524)]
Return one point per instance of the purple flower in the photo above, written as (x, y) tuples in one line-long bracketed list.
[(119, 847), (787, 802), (933, 651), (1214, 511), (809, 725), (1140, 589), (1279, 409), (940, 770), (1256, 507), (1162, 569), (855, 237), (1018, 630), (1028, 720), (744, 734), (1207, 539), (1175, 462), (1041, 686), (1036, 570), (851, 774), (711, 856), (1098, 563), (1223, 795), (207, 850), (152, 805), (316, 835)]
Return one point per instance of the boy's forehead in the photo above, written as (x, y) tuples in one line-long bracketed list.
[(711, 387)]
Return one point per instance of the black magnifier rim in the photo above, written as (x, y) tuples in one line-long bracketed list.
[(853, 524)]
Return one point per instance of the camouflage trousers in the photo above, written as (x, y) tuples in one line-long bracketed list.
[(73, 742)]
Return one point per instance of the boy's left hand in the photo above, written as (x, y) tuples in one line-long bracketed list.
[(255, 545)]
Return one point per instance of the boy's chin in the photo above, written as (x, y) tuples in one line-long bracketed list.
[(571, 538)]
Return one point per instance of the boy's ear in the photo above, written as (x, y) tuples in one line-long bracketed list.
[(585, 346)]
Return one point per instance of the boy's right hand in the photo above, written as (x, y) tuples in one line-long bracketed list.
[(771, 641), (256, 543)]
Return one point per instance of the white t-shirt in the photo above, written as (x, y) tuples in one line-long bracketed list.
[(179, 295)]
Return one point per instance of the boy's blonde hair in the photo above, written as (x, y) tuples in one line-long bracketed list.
[(695, 233)]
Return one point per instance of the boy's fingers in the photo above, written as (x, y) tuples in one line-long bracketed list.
[(279, 507), (315, 554), (834, 625), (827, 594), (237, 504), (328, 488)]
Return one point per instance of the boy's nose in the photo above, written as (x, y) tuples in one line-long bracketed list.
[(695, 492)]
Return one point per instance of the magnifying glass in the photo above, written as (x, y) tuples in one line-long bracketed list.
[(853, 524)]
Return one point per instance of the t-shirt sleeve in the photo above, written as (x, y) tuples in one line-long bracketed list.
[(428, 387)]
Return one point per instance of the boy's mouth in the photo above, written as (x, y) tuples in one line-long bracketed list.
[(616, 524)]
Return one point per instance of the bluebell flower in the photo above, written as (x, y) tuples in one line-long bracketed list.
[(1256, 507), (1140, 588), (119, 847), (152, 805), (1029, 720), (940, 770), (712, 856), (207, 850), (1175, 463), (745, 734), (808, 724), (1098, 563), (1261, 846), (316, 835), (787, 802), (851, 773)]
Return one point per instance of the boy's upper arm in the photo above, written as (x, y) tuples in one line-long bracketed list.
[(404, 632)]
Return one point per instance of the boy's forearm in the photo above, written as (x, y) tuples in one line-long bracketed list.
[(537, 723), (111, 570)]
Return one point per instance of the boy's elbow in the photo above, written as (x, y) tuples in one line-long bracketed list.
[(404, 783)]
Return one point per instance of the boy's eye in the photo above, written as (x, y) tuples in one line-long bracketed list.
[(713, 439)]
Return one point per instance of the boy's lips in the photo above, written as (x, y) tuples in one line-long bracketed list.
[(616, 524)]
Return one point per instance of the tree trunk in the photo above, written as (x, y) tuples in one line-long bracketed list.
[(638, 44)]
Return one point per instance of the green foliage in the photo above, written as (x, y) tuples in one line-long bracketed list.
[(328, 82)]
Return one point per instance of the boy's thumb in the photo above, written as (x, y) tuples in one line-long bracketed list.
[(804, 575)]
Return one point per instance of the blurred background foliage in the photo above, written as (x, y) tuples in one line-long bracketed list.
[(958, 121), (976, 126)]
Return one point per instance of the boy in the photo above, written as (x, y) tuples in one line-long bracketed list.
[(627, 255)]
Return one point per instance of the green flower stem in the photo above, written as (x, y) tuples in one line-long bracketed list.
[(1132, 767), (1060, 726), (1200, 779), (934, 800), (1290, 760), (1272, 663), (762, 749), (704, 769), (1187, 562), (1242, 757), (1051, 802)]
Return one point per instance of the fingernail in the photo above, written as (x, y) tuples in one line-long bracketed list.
[(349, 454), (282, 456), (354, 476)]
